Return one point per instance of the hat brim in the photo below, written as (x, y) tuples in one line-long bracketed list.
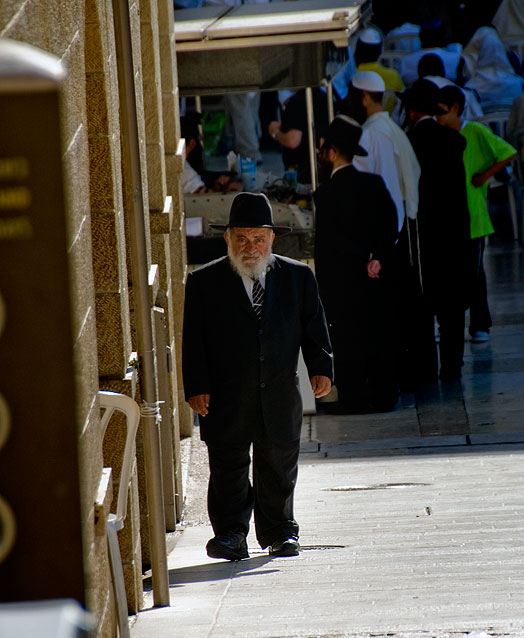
[(278, 230), (361, 151), (409, 103)]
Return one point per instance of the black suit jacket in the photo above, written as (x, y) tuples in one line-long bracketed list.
[(247, 366), (355, 218)]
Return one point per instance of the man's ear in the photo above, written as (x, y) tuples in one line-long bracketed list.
[(332, 154), (455, 109)]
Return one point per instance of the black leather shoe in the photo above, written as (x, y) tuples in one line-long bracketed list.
[(231, 546), (285, 547)]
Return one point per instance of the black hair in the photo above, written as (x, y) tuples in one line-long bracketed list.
[(189, 130), (432, 34), (450, 95), (189, 124), (430, 64), (339, 146), (365, 52), (376, 96)]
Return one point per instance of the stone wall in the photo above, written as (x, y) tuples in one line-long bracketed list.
[(81, 33)]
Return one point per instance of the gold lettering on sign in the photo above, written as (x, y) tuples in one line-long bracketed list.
[(16, 198), (15, 228), (14, 168)]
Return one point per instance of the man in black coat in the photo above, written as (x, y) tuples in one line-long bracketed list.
[(356, 229), (443, 229), (246, 317)]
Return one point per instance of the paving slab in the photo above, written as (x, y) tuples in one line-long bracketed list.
[(413, 545)]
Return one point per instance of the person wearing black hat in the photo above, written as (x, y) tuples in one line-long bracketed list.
[(246, 317), (356, 229), (443, 228)]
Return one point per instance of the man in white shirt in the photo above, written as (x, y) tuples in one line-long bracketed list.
[(390, 153)]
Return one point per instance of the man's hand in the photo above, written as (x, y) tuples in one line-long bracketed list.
[(479, 179), (320, 385), (273, 128), (199, 404), (225, 183), (374, 267)]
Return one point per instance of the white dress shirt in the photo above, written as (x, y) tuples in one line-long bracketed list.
[(191, 180), (408, 168), (381, 161), (248, 284)]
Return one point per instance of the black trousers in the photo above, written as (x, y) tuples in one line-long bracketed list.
[(444, 295), (479, 314), (364, 334), (231, 498)]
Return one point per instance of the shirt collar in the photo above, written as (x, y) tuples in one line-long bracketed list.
[(339, 167)]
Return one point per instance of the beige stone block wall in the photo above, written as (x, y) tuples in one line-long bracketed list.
[(58, 27), (80, 33), (164, 119), (174, 164), (108, 231)]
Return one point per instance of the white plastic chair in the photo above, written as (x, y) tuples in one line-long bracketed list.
[(402, 43), (498, 122), (392, 59), (111, 401)]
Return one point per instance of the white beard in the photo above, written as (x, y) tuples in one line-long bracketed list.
[(253, 271)]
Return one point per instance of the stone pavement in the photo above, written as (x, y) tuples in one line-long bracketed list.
[(411, 522)]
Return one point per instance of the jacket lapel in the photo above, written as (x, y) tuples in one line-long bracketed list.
[(271, 292)]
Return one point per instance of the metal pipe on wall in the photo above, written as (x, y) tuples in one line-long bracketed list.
[(142, 305), (311, 131), (331, 104)]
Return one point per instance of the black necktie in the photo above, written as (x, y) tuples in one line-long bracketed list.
[(258, 298)]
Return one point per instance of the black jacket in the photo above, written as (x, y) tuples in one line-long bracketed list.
[(443, 215), (247, 366), (355, 218)]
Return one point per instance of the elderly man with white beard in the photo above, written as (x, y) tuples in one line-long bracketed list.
[(246, 318)]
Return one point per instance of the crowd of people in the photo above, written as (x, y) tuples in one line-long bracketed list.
[(435, 162)]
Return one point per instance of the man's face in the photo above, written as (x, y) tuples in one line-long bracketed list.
[(249, 248)]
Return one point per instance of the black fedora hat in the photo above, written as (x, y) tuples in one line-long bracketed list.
[(251, 210), (422, 96), (344, 133)]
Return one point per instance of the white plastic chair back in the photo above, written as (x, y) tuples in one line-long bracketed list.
[(391, 59), (497, 122), (111, 401), (402, 43)]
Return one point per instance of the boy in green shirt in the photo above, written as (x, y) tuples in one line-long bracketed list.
[(485, 155)]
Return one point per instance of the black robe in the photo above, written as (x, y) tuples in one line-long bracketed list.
[(443, 215), (356, 219), (444, 232)]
